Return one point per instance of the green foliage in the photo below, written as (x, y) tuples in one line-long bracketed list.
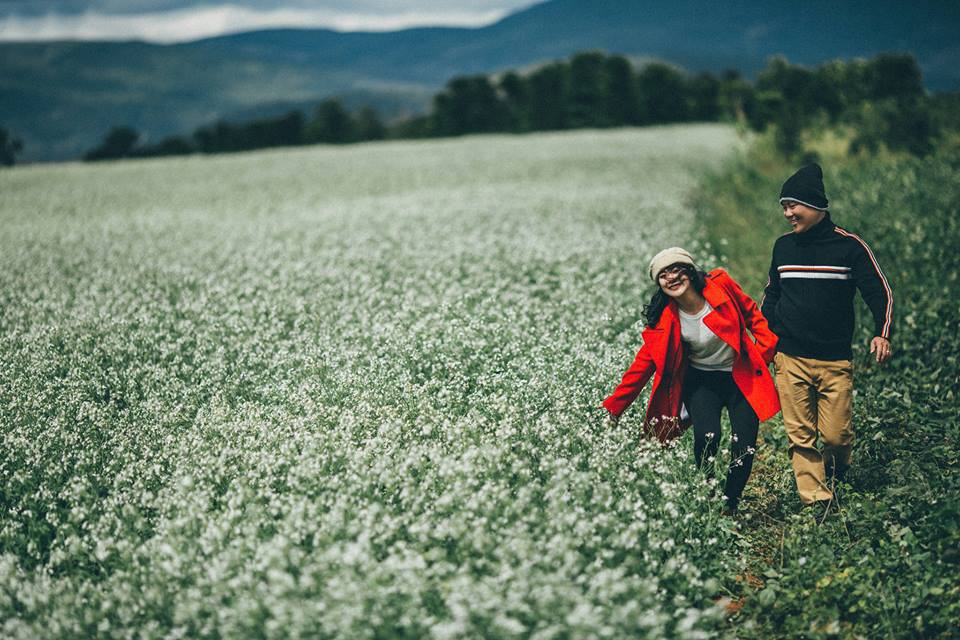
[(736, 96), (662, 94), (331, 124), (120, 142), (10, 148), (945, 111), (885, 564), (896, 124), (620, 102), (516, 97), (258, 134), (882, 99), (170, 146), (790, 125), (586, 103), (896, 76), (592, 89), (549, 88), (468, 105), (369, 126), (704, 98), (411, 128)]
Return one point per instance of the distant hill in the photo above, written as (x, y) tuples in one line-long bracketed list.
[(62, 97)]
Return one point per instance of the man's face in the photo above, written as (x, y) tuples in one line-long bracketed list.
[(800, 216)]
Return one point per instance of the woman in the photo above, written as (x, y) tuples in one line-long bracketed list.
[(697, 349)]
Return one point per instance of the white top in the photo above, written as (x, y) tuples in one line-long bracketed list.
[(707, 350)]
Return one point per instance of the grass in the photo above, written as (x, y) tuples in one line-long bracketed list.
[(883, 565)]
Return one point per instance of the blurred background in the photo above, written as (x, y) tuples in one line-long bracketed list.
[(100, 79)]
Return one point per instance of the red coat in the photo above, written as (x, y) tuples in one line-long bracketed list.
[(663, 357)]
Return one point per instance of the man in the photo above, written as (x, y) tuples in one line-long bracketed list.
[(808, 303)]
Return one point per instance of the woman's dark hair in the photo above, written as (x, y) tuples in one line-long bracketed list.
[(653, 311)]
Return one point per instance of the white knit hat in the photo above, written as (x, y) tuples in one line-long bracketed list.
[(667, 257)]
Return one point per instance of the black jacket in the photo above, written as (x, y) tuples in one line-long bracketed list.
[(808, 300)]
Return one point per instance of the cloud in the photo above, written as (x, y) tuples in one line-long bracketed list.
[(125, 7), (178, 25)]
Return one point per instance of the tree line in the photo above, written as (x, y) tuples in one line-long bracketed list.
[(882, 99), (331, 124)]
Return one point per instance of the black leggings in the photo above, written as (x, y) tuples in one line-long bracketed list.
[(705, 393)]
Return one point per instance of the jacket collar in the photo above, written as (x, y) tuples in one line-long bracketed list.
[(714, 293), (820, 230), (668, 317)]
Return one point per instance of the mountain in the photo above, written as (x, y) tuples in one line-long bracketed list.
[(61, 97)]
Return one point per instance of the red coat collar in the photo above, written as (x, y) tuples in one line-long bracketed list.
[(714, 293), (722, 321)]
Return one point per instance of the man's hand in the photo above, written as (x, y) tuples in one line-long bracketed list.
[(612, 420), (880, 347)]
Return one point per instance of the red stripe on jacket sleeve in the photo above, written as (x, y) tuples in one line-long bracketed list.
[(888, 313)]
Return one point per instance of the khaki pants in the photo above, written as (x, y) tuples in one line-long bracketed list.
[(816, 397)]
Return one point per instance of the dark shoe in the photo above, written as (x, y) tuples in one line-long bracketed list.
[(835, 475), (730, 508), (728, 512)]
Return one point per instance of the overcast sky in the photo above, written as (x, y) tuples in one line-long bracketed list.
[(179, 20)]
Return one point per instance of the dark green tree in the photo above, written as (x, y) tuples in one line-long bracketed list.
[(765, 108), (413, 128), (910, 127), (287, 130), (548, 97), (170, 146), (854, 80), (794, 83), (895, 75), (663, 94), (258, 134), (621, 104), (120, 142), (219, 137), (515, 94), (898, 125), (945, 110), (10, 148), (331, 124), (369, 126), (736, 96), (469, 104), (585, 101), (788, 136), (703, 93), (832, 90)]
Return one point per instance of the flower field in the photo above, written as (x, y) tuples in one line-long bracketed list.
[(348, 392)]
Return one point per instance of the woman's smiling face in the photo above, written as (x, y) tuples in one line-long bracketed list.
[(673, 280)]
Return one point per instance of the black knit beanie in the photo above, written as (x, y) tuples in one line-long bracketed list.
[(806, 187)]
